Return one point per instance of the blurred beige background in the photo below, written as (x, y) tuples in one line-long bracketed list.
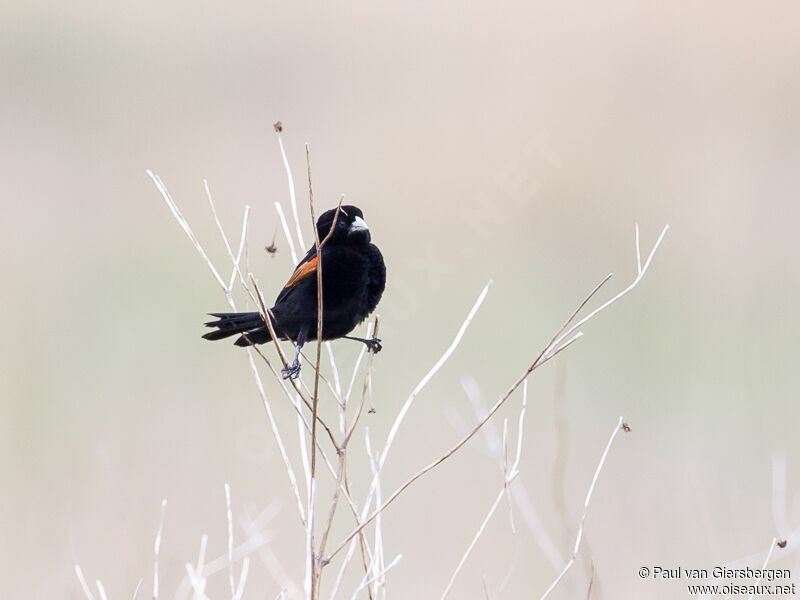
[(512, 141)]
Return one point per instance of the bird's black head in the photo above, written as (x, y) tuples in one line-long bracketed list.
[(350, 226)]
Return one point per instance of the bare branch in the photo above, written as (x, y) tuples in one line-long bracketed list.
[(519, 492), (271, 562), (315, 398), (334, 503), (311, 567), (276, 433), (229, 513), (235, 260), (220, 563), (371, 332), (474, 541), (157, 548), (336, 382), (196, 578), (508, 476), (764, 566), (101, 590), (185, 225), (138, 587), (638, 251), (242, 578), (378, 566), (287, 232), (82, 581), (555, 345), (367, 582), (591, 583), (579, 536), (312, 573), (429, 375), (292, 196)]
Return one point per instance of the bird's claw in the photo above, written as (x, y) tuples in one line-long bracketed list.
[(292, 371), (374, 345)]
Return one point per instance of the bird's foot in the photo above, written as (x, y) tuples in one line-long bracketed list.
[(373, 345), (292, 371)]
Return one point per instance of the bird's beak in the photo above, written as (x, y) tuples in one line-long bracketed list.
[(359, 224)]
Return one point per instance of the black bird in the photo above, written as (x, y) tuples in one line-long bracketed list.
[(353, 279)]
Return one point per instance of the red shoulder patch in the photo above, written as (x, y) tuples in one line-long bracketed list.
[(302, 272)]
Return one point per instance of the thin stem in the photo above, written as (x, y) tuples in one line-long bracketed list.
[(315, 397), (367, 377), (429, 375), (508, 476), (316, 569), (286, 232), (82, 580), (474, 541), (292, 196), (157, 548), (185, 226), (764, 566), (334, 503), (229, 513), (579, 536)]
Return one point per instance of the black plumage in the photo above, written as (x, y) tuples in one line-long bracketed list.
[(353, 280)]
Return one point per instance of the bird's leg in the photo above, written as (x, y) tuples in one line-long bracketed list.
[(293, 370), (373, 344)]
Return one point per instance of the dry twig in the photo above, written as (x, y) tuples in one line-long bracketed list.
[(579, 536)]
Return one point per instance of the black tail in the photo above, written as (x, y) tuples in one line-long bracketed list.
[(249, 324)]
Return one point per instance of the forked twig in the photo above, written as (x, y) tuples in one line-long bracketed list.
[(641, 271), (236, 260)]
